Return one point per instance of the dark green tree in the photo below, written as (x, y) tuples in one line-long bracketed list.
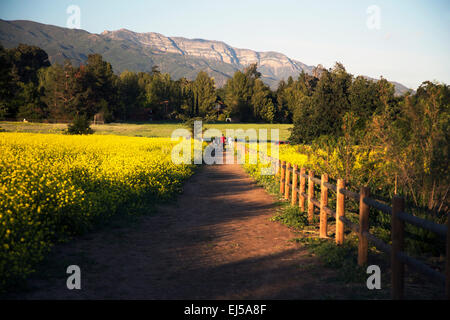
[(364, 100), (99, 83), (19, 81), (324, 110), (26, 61), (8, 87), (261, 100), (130, 94), (64, 92), (283, 114), (205, 96), (239, 91)]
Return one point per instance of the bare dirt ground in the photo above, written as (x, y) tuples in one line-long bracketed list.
[(215, 242)]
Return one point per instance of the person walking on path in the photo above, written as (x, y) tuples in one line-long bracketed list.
[(223, 141)]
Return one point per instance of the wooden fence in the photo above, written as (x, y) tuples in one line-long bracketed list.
[(293, 186)]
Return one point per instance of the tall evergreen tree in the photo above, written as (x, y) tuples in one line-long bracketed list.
[(261, 100), (239, 91), (64, 92), (204, 94), (99, 83), (129, 93)]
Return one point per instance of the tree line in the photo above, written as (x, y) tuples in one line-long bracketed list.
[(32, 88)]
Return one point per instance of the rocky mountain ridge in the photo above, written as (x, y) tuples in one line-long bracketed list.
[(128, 50)]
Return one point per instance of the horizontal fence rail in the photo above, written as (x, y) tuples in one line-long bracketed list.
[(298, 186)]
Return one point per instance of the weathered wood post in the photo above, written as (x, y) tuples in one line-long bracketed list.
[(310, 196), (288, 181), (294, 185), (363, 245), (340, 212), (447, 260), (282, 176), (301, 202), (397, 233), (323, 204)]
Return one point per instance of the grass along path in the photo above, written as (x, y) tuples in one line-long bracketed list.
[(156, 129)]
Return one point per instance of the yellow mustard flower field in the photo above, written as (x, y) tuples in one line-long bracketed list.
[(53, 187), (356, 165)]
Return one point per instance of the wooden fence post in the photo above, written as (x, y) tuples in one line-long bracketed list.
[(310, 196), (397, 233), (323, 204), (302, 190), (447, 260), (363, 245), (282, 176), (294, 185), (340, 212), (288, 181)]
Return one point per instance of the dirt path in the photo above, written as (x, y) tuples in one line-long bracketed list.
[(215, 242)]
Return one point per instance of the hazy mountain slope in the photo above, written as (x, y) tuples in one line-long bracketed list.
[(127, 50)]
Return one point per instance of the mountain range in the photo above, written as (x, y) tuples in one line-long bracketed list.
[(128, 50)]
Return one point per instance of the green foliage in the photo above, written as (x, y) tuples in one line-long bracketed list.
[(98, 85), (415, 136), (130, 93), (292, 217), (342, 258), (321, 104), (31, 105), (26, 61), (18, 82), (335, 113), (80, 125), (262, 103), (238, 95), (63, 91), (363, 99), (205, 96), (249, 99)]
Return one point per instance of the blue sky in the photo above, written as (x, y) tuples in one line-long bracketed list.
[(411, 45)]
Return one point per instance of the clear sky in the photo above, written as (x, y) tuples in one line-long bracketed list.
[(409, 43)]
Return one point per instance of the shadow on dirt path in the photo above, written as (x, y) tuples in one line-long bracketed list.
[(215, 242)]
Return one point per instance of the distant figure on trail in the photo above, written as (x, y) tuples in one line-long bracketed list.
[(223, 141)]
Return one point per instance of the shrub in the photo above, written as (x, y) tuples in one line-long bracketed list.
[(80, 125)]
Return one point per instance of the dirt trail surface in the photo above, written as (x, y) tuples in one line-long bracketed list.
[(215, 242)]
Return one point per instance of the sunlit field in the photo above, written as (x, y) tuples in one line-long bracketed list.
[(157, 129), (55, 186)]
